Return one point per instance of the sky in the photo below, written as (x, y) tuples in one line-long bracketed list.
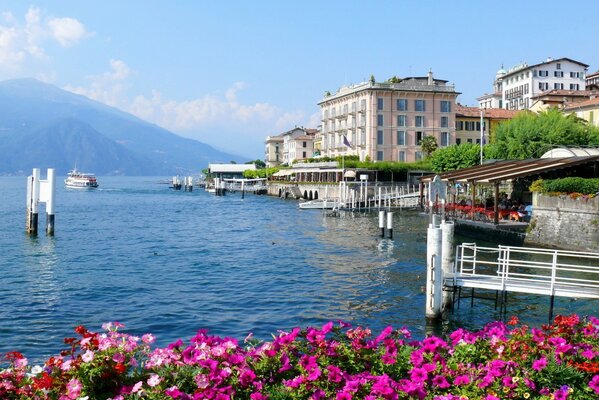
[(230, 73)]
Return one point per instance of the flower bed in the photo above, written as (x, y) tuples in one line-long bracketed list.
[(557, 361)]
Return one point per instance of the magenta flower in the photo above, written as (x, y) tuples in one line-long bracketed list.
[(441, 382), (539, 364), (461, 380), (418, 375), (594, 384)]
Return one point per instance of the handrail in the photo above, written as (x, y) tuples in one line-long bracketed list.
[(546, 269)]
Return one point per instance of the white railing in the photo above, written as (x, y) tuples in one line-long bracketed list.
[(523, 269)]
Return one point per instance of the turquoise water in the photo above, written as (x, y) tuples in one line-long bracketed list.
[(171, 263)]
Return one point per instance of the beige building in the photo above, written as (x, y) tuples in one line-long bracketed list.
[(294, 145), (387, 121), (587, 110), (468, 123), (559, 99)]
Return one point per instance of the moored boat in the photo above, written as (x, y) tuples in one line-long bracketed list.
[(80, 180)]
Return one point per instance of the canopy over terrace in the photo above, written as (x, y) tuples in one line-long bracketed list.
[(310, 174), (503, 171)]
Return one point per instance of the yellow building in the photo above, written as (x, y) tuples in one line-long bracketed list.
[(587, 110), (468, 123)]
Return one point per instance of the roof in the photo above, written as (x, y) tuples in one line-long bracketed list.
[(496, 113), (571, 152), (581, 104), (511, 169), (562, 93), (548, 61), (304, 137), (594, 74), (234, 168)]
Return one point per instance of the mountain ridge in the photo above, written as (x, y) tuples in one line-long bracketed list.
[(126, 144)]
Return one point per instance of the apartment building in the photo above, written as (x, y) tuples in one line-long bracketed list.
[(386, 121), (471, 120), (587, 110), (592, 81), (519, 84), (294, 145)]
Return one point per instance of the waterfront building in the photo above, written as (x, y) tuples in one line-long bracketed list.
[(559, 99), (522, 82), (287, 147), (468, 123), (587, 110), (386, 121), (273, 154), (592, 81), (229, 171)]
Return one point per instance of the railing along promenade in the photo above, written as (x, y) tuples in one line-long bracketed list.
[(526, 270)]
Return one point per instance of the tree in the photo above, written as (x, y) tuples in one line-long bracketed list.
[(428, 145), (529, 135), (258, 163), (455, 157)]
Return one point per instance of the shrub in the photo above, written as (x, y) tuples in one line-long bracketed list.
[(566, 185)]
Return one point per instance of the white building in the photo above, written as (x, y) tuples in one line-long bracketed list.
[(518, 84), (294, 145)]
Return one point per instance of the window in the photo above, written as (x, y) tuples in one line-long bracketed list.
[(363, 105), (458, 141), (543, 73), (444, 138), (558, 74), (574, 86), (353, 107), (379, 155), (401, 138), (419, 136), (419, 121), (558, 85), (591, 117), (459, 125), (469, 140), (379, 104), (478, 125), (379, 137), (543, 86), (401, 120), (363, 138), (444, 122), (445, 106), (558, 66), (401, 156), (304, 154), (402, 105), (379, 120), (419, 105), (304, 144), (418, 155), (574, 74)]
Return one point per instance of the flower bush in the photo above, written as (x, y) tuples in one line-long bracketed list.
[(336, 361)]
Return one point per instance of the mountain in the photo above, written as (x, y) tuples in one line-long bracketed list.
[(47, 127)]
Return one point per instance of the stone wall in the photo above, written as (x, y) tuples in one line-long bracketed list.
[(563, 222)]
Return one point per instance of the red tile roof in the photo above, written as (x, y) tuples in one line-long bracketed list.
[(562, 93), (493, 113), (580, 104)]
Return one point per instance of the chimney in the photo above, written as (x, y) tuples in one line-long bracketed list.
[(430, 77)]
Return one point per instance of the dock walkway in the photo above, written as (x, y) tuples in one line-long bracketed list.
[(525, 270)]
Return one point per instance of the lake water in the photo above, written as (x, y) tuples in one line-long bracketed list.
[(171, 263)]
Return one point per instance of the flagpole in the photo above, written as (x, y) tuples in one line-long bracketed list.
[(482, 139)]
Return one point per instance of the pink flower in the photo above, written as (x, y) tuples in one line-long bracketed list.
[(88, 356), (594, 384), (539, 364), (148, 338), (136, 387), (118, 357), (461, 380), (154, 380), (73, 388)]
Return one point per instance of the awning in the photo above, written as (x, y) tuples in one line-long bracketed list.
[(350, 174)]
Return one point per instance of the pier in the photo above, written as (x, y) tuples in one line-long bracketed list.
[(526, 270)]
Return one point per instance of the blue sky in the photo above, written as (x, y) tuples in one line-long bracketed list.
[(229, 73)]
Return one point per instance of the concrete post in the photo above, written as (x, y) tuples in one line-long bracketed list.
[(50, 189), (33, 196), (434, 284), (382, 223), (447, 262), (390, 224)]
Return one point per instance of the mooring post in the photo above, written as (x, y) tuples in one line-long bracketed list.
[(434, 274), (390, 224), (33, 196), (242, 190), (47, 195), (447, 228), (382, 222)]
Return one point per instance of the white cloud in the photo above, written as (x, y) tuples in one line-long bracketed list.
[(20, 41), (67, 31)]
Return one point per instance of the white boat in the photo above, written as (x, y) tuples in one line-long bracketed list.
[(80, 180), (319, 204)]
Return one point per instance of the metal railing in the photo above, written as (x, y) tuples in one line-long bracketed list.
[(534, 270)]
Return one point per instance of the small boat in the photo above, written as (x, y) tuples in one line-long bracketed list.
[(80, 180), (319, 204)]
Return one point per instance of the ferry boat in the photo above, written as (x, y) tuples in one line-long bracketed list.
[(80, 180)]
